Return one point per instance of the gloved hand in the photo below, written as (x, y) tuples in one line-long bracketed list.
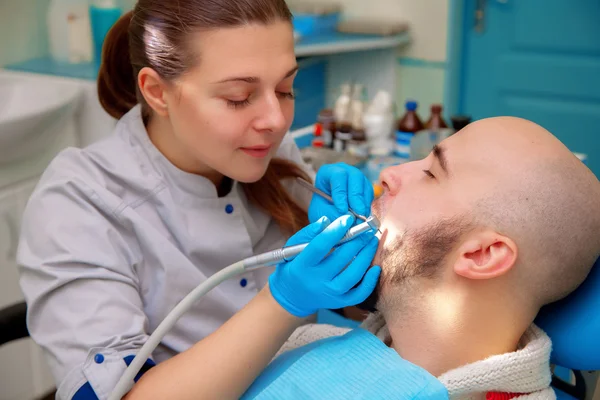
[(316, 279), (347, 186)]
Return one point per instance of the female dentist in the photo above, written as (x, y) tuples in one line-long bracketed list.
[(198, 174)]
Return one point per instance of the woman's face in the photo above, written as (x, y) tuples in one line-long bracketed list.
[(230, 113)]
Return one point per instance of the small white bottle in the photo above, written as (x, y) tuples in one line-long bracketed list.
[(69, 31), (342, 104), (378, 121)]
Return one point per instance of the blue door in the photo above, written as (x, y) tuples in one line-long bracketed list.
[(535, 59)]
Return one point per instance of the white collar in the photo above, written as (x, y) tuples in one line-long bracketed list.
[(190, 185), (526, 370)]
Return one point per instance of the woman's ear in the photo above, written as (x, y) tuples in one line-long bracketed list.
[(485, 255), (153, 88)]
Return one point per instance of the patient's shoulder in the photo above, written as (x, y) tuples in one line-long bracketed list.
[(310, 333)]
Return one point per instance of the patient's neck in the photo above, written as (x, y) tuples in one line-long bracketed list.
[(440, 330)]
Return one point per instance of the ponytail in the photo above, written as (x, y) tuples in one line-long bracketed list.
[(116, 79), (269, 194)]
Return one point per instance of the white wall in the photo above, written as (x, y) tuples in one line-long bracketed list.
[(427, 19), (421, 71), (22, 30)]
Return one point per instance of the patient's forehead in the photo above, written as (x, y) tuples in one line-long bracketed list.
[(491, 150)]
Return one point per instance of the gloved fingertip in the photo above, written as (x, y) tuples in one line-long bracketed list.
[(374, 240), (360, 209), (348, 219), (342, 208), (367, 285), (376, 270), (371, 277), (323, 220)]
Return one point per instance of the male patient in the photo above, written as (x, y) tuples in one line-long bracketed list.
[(496, 222)]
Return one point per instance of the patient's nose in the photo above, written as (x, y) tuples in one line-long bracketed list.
[(390, 180), (394, 178)]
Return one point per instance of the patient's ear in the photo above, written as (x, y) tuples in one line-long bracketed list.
[(485, 255)]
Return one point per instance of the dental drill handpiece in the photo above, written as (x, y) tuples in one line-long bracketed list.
[(324, 195), (288, 253)]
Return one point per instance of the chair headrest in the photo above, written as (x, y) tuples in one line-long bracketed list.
[(573, 324)]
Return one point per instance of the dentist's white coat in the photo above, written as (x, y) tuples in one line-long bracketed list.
[(113, 237)]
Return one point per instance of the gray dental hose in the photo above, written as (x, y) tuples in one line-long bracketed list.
[(269, 258)]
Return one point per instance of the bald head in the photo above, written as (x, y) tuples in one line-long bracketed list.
[(501, 192), (544, 198)]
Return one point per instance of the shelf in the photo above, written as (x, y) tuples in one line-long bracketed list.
[(47, 66), (318, 45), (335, 43)]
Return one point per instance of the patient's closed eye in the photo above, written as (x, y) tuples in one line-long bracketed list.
[(428, 173)]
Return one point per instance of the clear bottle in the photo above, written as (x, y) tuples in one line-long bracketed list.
[(69, 31), (357, 103), (343, 117), (379, 123), (358, 144), (435, 131), (408, 125), (340, 109)]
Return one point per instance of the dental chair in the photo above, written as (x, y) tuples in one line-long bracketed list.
[(573, 324)]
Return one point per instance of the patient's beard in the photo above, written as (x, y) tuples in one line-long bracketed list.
[(417, 254)]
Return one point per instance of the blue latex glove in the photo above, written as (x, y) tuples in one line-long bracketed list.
[(347, 186), (319, 278)]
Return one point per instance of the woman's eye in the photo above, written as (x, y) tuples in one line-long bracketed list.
[(287, 95), (238, 103), (428, 173)]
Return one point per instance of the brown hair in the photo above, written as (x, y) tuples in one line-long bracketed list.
[(155, 35)]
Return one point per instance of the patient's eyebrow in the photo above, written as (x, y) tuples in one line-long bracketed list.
[(440, 154)]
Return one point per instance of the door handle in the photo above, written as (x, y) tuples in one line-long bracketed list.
[(480, 15)]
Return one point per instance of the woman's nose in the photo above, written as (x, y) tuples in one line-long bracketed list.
[(273, 118)]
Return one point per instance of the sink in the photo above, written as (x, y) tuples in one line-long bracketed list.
[(33, 112)]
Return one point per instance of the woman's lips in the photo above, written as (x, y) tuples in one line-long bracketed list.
[(257, 151)]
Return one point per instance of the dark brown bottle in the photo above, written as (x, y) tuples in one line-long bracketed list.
[(410, 121), (408, 125), (460, 121), (436, 121), (342, 136)]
